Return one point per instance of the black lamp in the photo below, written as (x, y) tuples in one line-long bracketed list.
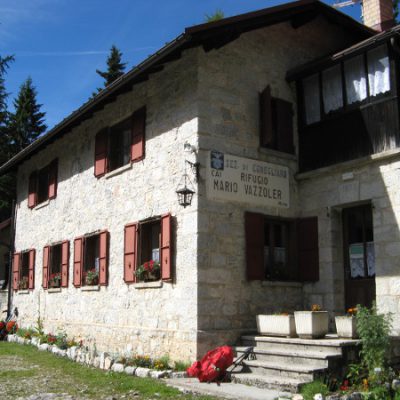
[(185, 190)]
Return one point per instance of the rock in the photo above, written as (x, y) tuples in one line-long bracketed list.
[(396, 384), (297, 397), (43, 347), (35, 341), (108, 362), (130, 370), (356, 396), (158, 374), (11, 338), (345, 397), (71, 353), (318, 396), (117, 367), (333, 397), (142, 372), (96, 362), (183, 374), (102, 359)]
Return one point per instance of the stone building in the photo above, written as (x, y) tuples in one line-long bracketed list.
[(284, 124)]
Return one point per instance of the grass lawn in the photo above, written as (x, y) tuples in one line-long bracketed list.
[(25, 371)]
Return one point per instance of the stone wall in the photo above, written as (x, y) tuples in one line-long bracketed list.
[(325, 193), (120, 317), (230, 82)]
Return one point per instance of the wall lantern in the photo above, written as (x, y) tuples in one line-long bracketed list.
[(185, 189)]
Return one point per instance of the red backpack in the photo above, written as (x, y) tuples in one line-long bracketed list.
[(213, 365)]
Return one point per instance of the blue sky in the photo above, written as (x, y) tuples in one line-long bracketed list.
[(61, 43)]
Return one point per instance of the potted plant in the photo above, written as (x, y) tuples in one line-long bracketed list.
[(148, 271), (346, 324), (91, 277), (55, 280), (23, 283), (311, 324), (276, 325)]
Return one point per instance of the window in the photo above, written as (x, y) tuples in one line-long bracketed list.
[(147, 253), (276, 122), (281, 249), (91, 259), (360, 78), (55, 265), (24, 270), (120, 144), (43, 184)]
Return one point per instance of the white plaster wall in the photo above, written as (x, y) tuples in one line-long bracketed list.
[(230, 82), (119, 317)]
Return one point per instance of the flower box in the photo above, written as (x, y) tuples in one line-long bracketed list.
[(276, 325), (311, 324), (346, 326)]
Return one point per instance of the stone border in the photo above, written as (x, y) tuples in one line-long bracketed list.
[(95, 359)]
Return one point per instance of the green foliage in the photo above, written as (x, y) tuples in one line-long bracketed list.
[(374, 330), (27, 121), (309, 390), (356, 373), (26, 333), (181, 365), (219, 14), (378, 393), (115, 67), (39, 327)]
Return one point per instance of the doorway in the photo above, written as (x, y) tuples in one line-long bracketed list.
[(359, 256)]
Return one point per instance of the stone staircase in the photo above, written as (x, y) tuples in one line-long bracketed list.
[(287, 363)]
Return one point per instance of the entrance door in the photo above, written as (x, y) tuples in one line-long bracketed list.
[(359, 256)]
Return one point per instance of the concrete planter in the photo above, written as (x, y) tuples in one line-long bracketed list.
[(311, 324), (346, 327), (276, 325)]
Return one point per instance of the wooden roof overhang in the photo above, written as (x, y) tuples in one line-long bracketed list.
[(211, 35), (391, 35)]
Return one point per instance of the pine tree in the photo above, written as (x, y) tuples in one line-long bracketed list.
[(219, 14), (115, 66), (7, 182), (27, 121)]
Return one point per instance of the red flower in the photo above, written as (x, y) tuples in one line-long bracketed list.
[(146, 266), (11, 325), (151, 265)]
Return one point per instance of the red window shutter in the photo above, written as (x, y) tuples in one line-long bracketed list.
[(78, 261), (166, 247), (101, 150), (254, 231), (16, 264), (53, 171), (307, 249), (103, 258), (64, 263), (31, 281), (32, 196), (46, 258), (284, 125), (138, 135), (266, 131), (130, 251)]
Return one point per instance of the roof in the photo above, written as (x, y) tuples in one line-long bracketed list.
[(211, 35), (320, 63)]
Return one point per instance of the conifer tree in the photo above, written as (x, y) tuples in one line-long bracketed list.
[(27, 121), (115, 66)]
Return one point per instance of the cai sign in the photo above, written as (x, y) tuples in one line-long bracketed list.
[(247, 181)]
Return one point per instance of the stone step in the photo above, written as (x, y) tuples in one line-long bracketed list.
[(269, 382), (327, 345), (316, 359), (287, 370)]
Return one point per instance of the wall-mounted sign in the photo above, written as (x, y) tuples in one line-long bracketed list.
[(248, 181)]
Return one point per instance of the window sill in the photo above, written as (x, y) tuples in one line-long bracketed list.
[(42, 205), (277, 153), (118, 171), (23, 291), (54, 290), (148, 285), (282, 284), (94, 288)]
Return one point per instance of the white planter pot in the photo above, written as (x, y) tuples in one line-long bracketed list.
[(311, 324), (276, 325), (346, 327)]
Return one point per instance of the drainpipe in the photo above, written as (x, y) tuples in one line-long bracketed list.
[(10, 257)]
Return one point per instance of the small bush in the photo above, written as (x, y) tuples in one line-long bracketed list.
[(309, 390), (181, 365), (374, 330), (161, 364)]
